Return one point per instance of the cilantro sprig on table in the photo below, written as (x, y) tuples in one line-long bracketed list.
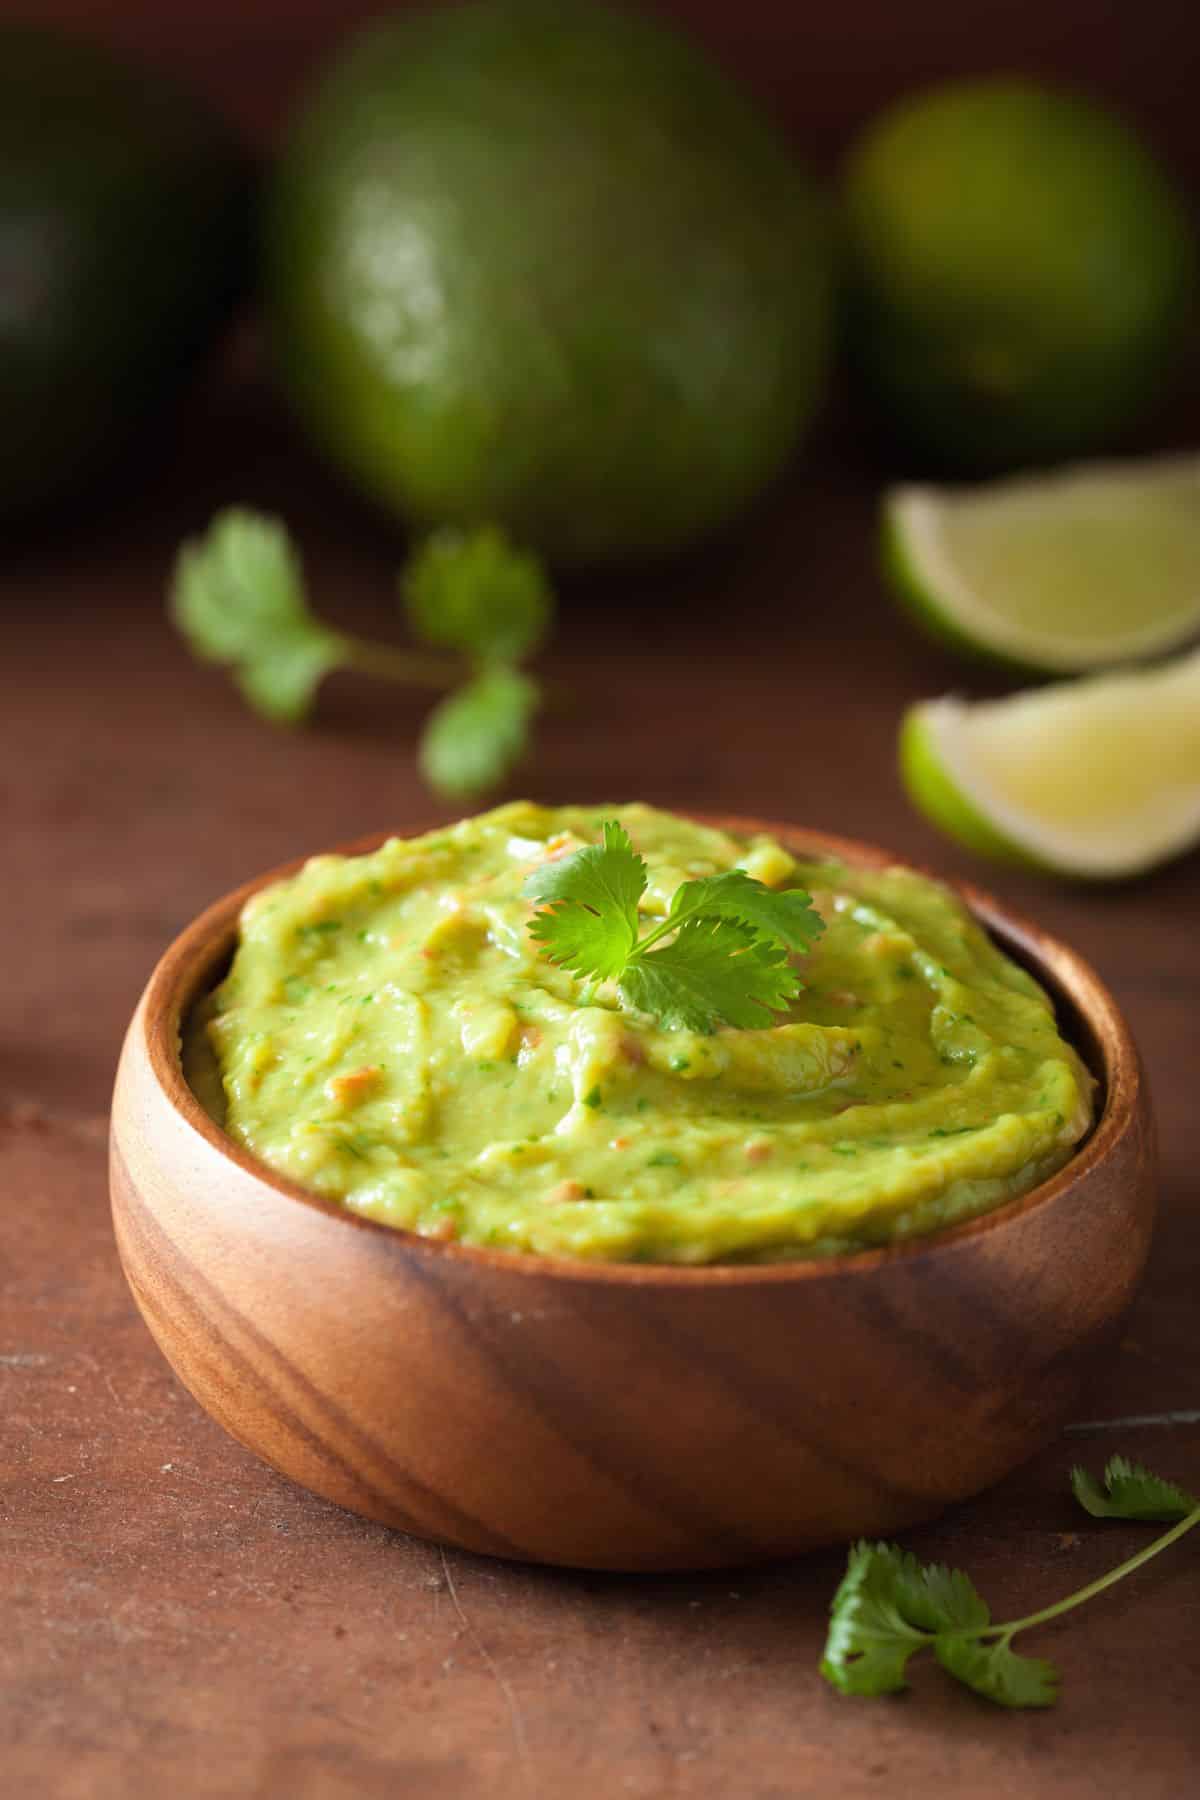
[(890, 1607), (238, 597), (721, 955)]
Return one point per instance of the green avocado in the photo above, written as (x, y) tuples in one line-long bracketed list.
[(124, 243), (543, 264)]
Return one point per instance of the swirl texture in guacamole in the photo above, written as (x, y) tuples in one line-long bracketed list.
[(389, 1036)]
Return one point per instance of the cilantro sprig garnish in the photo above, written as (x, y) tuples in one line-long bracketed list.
[(238, 597), (889, 1607), (721, 955)]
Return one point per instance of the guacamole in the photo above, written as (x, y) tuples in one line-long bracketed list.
[(390, 1036)]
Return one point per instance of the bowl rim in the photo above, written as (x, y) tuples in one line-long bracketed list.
[(193, 954)]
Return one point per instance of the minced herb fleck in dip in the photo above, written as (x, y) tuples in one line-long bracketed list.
[(389, 1036)]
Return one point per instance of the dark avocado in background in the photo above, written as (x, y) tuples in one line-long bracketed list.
[(125, 241), (541, 262)]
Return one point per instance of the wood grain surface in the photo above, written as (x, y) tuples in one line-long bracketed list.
[(178, 1619)]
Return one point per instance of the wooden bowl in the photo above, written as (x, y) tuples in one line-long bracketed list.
[(623, 1416)]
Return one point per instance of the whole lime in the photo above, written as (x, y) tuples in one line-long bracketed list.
[(1018, 270), (124, 239), (538, 262)]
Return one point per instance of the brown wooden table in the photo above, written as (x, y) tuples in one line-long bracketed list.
[(179, 1620)]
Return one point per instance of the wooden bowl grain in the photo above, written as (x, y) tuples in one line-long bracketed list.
[(624, 1416)]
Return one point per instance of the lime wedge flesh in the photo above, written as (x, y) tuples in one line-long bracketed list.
[(1061, 573), (1098, 777)]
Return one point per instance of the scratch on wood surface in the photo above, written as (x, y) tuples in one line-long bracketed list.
[(99, 1368), (1136, 1422), (515, 1718)]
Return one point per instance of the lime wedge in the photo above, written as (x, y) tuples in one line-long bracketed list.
[(1090, 566), (1098, 777)]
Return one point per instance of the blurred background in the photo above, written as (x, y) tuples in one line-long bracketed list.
[(668, 299), (825, 68)]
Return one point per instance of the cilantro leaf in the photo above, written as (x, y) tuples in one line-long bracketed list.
[(996, 1671), (726, 958), (591, 923), (281, 683), (870, 1641), (239, 582), (474, 591), (941, 1599), (889, 1606), (712, 971), (237, 596), (610, 873), (788, 916), (475, 736), (1130, 1492)]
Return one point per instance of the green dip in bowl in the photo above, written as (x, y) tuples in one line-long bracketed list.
[(390, 1036)]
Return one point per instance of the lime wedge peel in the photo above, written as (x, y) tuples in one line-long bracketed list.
[(1097, 778), (1053, 574)]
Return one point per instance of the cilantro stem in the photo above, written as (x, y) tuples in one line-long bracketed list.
[(390, 663), (656, 932), (394, 664), (1012, 1626)]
